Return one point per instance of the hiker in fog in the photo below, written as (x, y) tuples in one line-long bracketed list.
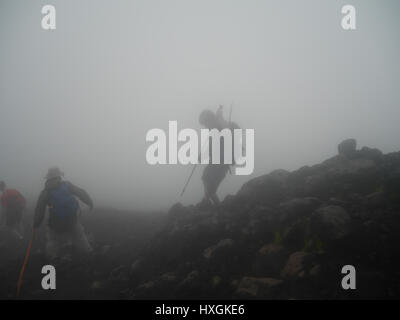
[(213, 174), (63, 224), (12, 205)]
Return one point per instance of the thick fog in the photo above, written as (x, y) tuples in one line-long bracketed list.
[(83, 96)]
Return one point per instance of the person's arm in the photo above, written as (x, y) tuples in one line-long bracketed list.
[(40, 209), (81, 194)]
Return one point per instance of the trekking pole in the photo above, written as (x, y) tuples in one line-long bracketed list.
[(194, 168), (28, 252), (187, 182)]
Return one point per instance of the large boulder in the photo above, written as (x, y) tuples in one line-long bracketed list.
[(296, 235), (347, 148), (298, 265), (159, 287), (375, 200), (340, 165), (297, 208), (258, 288), (177, 211), (316, 184), (353, 166), (370, 153), (262, 223), (268, 189), (270, 259), (191, 277), (219, 249), (330, 223)]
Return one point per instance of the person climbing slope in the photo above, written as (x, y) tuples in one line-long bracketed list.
[(214, 174), (63, 223)]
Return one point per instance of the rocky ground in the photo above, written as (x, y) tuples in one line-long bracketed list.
[(117, 238), (284, 235)]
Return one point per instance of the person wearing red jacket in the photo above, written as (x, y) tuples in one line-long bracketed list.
[(12, 203)]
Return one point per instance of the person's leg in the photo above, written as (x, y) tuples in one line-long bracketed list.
[(18, 228), (207, 183), (213, 179), (215, 200), (13, 219), (79, 240), (53, 244)]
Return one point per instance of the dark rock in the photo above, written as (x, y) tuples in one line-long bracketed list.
[(190, 278), (347, 148), (270, 259), (297, 208), (297, 265), (258, 288), (296, 234), (330, 223), (372, 154), (220, 248), (262, 221), (375, 200), (178, 211), (168, 277), (268, 189), (135, 266)]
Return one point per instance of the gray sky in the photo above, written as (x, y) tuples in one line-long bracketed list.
[(83, 96)]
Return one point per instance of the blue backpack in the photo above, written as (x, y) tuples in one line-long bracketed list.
[(63, 208)]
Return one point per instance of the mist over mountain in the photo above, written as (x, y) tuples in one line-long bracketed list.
[(82, 97)]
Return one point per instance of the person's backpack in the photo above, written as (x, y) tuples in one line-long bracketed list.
[(63, 208)]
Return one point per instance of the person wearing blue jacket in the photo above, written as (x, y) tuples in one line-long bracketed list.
[(61, 198)]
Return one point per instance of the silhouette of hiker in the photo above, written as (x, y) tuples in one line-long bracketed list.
[(213, 174), (63, 224), (13, 204)]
